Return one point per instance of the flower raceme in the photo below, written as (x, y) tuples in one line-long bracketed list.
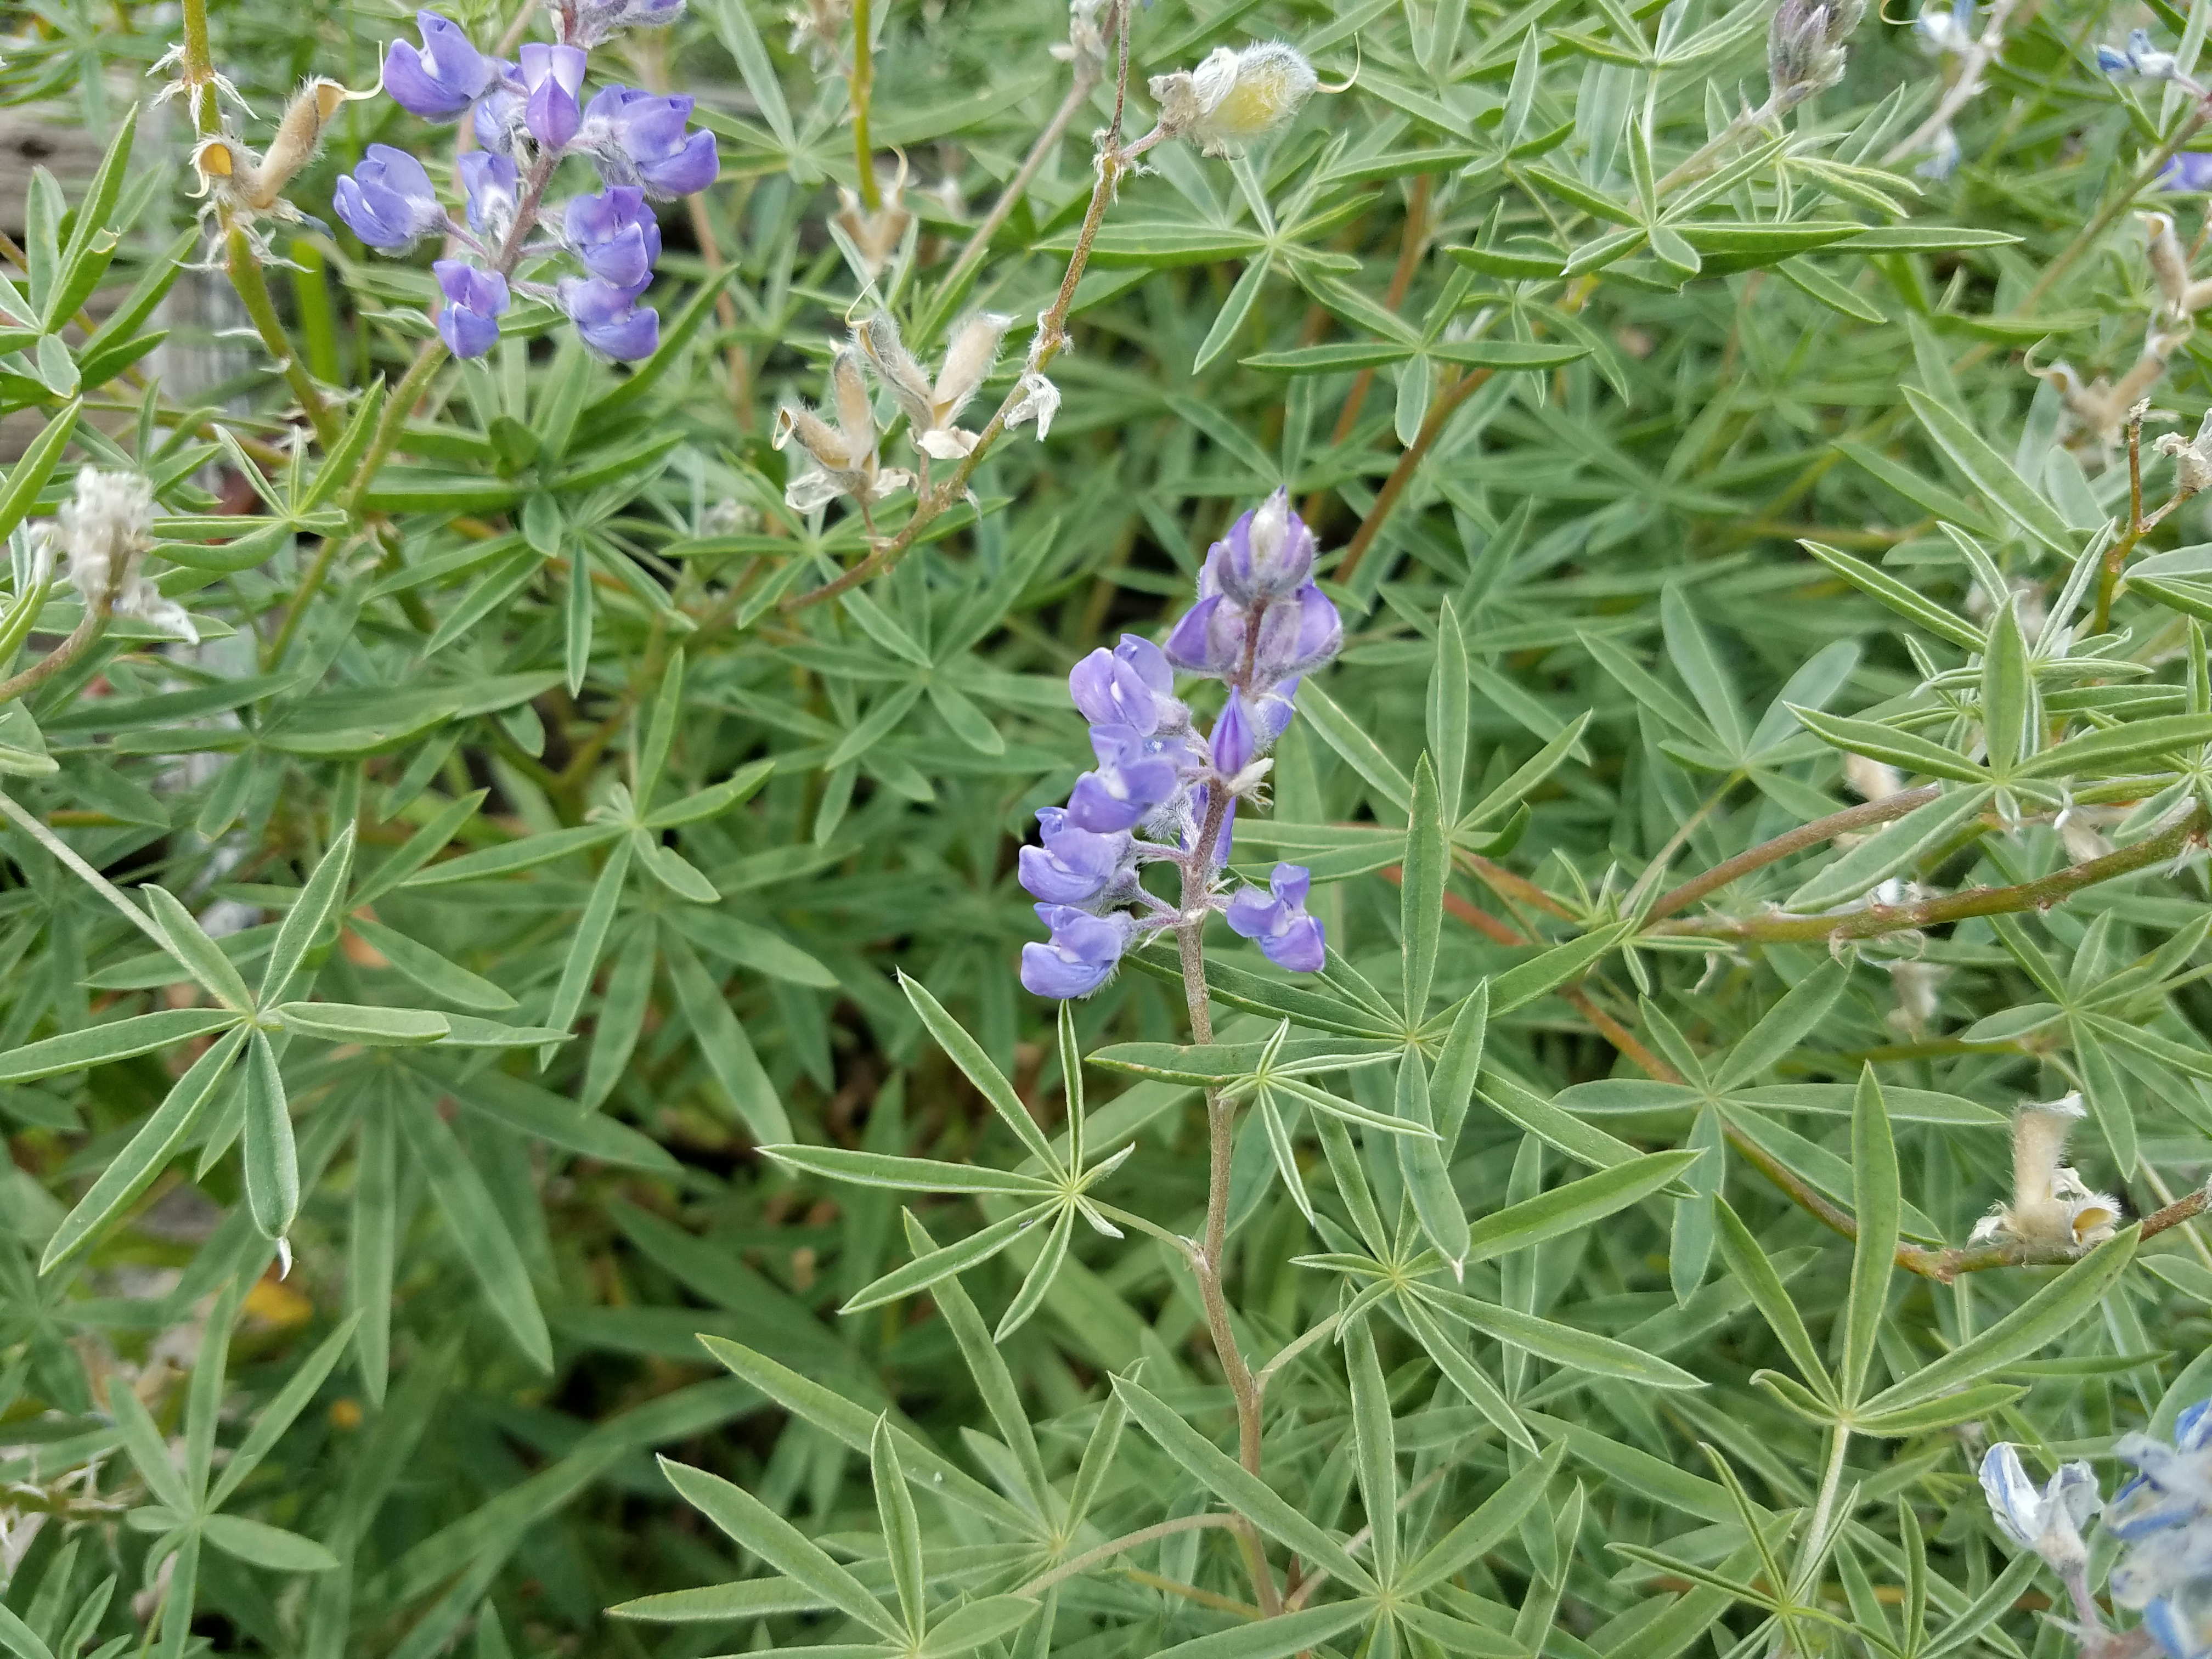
[(1260, 625), (528, 115)]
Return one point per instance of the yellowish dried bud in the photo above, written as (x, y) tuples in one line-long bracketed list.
[(2168, 262), (1234, 97)]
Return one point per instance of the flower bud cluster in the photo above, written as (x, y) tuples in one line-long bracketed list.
[(1260, 625), (526, 116), (1805, 47)]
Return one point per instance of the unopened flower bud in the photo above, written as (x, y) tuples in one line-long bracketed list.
[(1234, 97)]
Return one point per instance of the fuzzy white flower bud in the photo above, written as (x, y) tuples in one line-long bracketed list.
[(1234, 97)]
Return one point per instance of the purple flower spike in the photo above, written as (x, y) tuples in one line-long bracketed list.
[(470, 323), (1266, 554), (1073, 866), (387, 200), (1288, 937), (638, 138), (491, 182), (615, 236), (1134, 778), (552, 77), (1081, 955), (442, 80), (1233, 742), (1130, 685), (610, 324)]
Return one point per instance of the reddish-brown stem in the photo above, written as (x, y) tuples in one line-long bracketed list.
[(1851, 818), (1445, 406)]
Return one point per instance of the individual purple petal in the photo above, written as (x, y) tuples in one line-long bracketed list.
[(475, 299), (498, 118), (607, 320), (1133, 780), (444, 77), (1296, 635), (1277, 919), (1074, 865), (552, 77), (1232, 743), (388, 201), (491, 182), (1209, 640), (639, 139), (615, 235), (1080, 957)]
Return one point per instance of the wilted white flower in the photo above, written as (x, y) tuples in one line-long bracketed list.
[(2192, 457), (876, 233), (816, 28), (1234, 97), (930, 409), (2051, 1205), (1039, 401), (2049, 1521), (102, 534), (845, 453), (1086, 46)]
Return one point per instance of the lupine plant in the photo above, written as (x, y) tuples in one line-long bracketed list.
[(1367, 828)]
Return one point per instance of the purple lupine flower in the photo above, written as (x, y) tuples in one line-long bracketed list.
[(387, 200), (1272, 712), (638, 138), (474, 300), (492, 184), (498, 118), (552, 76), (1288, 937), (444, 77), (1074, 866), (615, 236), (1130, 685), (1210, 638), (610, 321), (1268, 553), (1081, 955), (2192, 170), (595, 20), (1233, 743), (1134, 778), (1296, 635)]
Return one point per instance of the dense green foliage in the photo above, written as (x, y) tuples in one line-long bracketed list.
[(399, 987)]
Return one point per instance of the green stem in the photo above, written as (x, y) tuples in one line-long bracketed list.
[(1851, 818), (863, 83), (296, 612), (244, 272), (81, 640), (394, 420), (1090, 1558)]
